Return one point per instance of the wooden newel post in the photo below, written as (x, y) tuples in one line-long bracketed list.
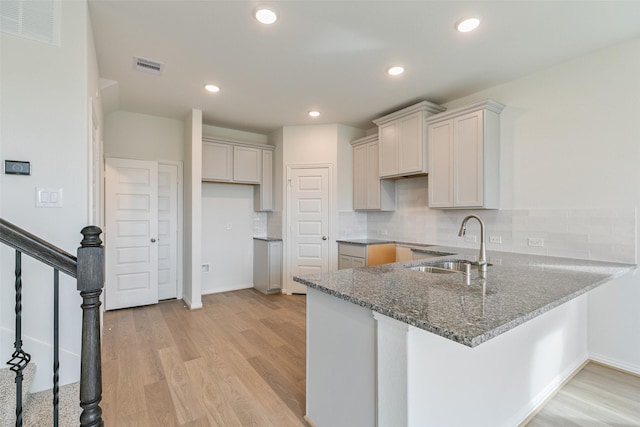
[(90, 283)]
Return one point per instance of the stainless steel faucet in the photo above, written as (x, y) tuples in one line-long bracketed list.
[(482, 259)]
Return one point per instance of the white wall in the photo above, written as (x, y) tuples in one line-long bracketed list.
[(228, 231), (318, 145), (192, 290), (143, 137), (234, 135), (569, 168), (44, 120)]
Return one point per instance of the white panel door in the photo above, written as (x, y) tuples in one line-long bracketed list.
[(131, 233), (167, 231), (309, 223)]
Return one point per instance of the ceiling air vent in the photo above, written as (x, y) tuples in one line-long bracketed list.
[(148, 66)]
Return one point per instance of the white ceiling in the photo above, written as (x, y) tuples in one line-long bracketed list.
[(332, 55)]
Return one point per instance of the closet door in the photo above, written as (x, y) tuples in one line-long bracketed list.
[(131, 233)]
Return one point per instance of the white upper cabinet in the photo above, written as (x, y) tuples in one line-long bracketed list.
[(247, 164), (263, 193), (369, 192), (217, 161), (242, 163), (464, 157), (402, 141)]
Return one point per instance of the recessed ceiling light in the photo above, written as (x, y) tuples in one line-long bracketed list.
[(314, 113), (266, 16), (212, 88), (467, 24), (395, 70)]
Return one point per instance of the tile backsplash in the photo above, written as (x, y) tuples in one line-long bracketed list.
[(606, 234)]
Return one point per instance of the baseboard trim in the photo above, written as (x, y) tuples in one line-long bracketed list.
[(309, 422), (627, 368), (549, 394)]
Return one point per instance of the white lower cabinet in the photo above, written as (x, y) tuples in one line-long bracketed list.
[(464, 157), (267, 265), (351, 255)]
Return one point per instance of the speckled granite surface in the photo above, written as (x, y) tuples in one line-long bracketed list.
[(365, 241), (517, 288), (268, 239)]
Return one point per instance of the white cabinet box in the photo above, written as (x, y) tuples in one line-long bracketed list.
[(369, 191), (351, 255), (267, 265), (464, 157), (402, 140), (240, 163)]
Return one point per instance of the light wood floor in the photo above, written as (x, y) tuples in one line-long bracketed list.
[(239, 361), (595, 396)]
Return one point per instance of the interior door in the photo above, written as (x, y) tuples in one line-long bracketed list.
[(309, 223), (167, 231), (131, 192)]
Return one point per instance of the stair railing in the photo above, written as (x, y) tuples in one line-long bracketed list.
[(88, 269)]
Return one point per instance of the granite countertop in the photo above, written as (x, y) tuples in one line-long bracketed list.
[(365, 241), (268, 239), (470, 311)]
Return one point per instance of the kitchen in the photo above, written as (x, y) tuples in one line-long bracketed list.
[(547, 184), (568, 176)]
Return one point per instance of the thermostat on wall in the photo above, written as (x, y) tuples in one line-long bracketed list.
[(17, 167)]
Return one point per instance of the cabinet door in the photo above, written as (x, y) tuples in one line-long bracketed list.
[(361, 176), (468, 160), (275, 266), (247, 164), (345, 261), (373, 177), (440, 146), (388, 149), (358, 262), (217, 162), (263, 193), (410, 144)]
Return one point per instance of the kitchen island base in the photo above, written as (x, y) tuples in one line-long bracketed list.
[(366, 369)]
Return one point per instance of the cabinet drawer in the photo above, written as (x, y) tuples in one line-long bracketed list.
[(353, 250)]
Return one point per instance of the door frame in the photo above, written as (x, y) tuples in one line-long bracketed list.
[(288, 276), (180, 225)]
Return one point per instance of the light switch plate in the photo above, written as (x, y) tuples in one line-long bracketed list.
[(48, 197)]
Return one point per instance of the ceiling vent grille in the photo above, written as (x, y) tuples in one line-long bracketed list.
[(31, 20), (148, 66)]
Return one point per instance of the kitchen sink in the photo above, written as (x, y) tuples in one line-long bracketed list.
[(446, 267), (430, 269)]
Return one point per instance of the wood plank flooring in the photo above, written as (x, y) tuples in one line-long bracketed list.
[(239, 361), (595, 396)]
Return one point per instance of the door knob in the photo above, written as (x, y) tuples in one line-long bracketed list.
[(153, 240), (324, 237)]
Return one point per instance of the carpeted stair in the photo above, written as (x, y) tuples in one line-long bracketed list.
[(37, 407)]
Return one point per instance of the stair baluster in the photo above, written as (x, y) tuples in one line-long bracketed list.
[(56, 345), (19, 359)]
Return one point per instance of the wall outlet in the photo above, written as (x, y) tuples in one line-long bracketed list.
[(384, 232), (470, 238), (536, 242), (206, 267), (229, 225), (495, 239)]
